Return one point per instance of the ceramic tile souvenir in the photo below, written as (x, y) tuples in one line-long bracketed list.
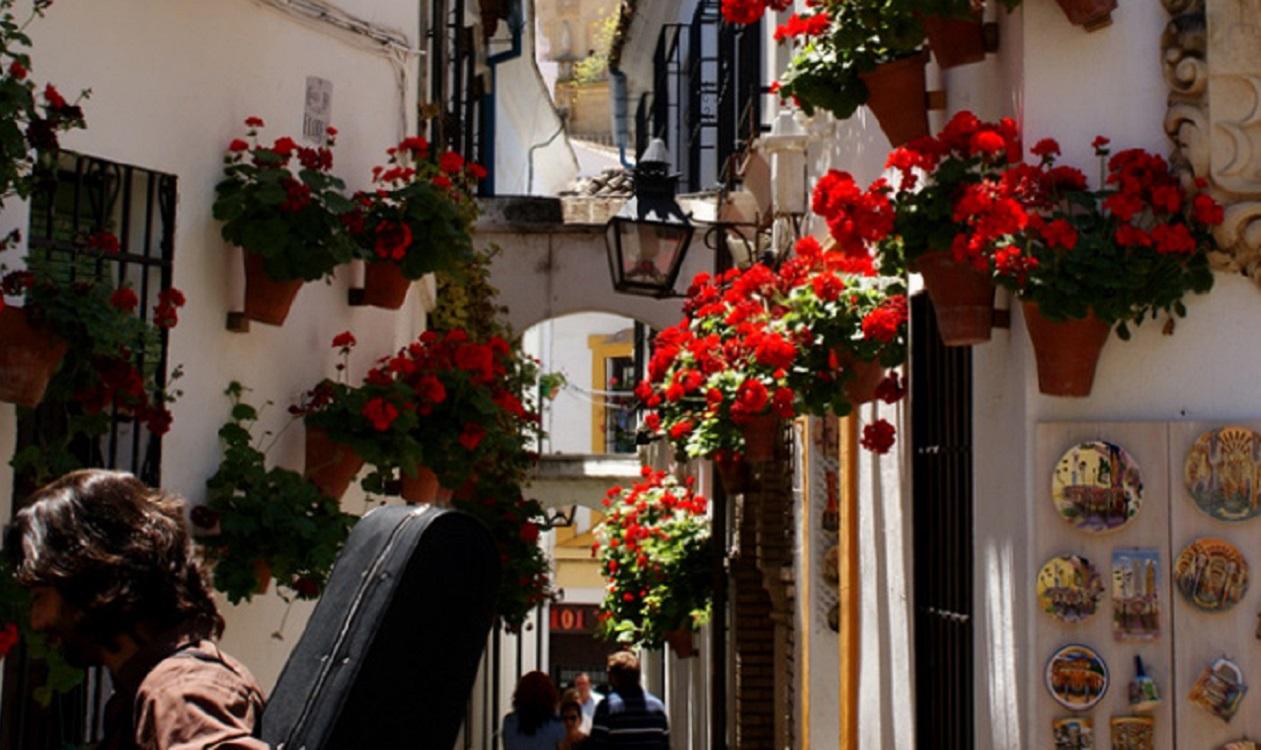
[(1220, 689), (831, 571), (1073, 733), (1097, 487), (1144, 695), (1223, 473), (1211, 574), (1069, 588), (1135, 594), (1133, 732), (1241, 745), (1076, 677)]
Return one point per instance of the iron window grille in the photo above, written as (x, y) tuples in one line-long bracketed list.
[(82, 196)]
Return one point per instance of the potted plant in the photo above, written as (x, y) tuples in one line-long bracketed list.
[(1091, 15), (471, 413), (258, 523), (654, 551), (30, 118), (418, 220), (854, 52), (1090, 260), (107, 359), (347, 426), (933, 173), (288, 223), (855, 322)]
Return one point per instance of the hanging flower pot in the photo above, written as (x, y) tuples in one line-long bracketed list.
[(28, 358), (384, 285), (262, 574), (955, 41), (733, 471), (861, 388), (760, 435), (1066, 351), (1091, 15), (962, 296), (424, 488), (681, 643), (896, 96), (267, 300), (330, 465)]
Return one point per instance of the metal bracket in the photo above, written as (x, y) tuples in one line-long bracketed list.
[(989, 33), (237, 322), (355, 297), (935, 100), (1001, 319)]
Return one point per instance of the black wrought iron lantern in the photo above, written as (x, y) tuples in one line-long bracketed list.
[(649, 237)]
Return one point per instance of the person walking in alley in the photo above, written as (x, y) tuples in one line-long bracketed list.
[(533, 724), (571, 717), (114, 581), (629, 716), (587, 699)]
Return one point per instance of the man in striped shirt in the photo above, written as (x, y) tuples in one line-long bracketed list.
[(629, 717)]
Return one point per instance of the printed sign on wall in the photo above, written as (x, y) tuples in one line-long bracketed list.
[(1135, 594)]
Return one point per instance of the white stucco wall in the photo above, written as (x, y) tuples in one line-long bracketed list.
[(528, 160), (171, 84), (562, 346)]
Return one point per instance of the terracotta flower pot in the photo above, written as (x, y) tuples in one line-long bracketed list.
[(733, 471), (262, 573), (897, 98), (962, 296), (1067, 351), (761, 433), (681, 643), (955, 41), (28, 358), (424, 488), (861, 389), (1092, 15), (267, 300), (330, 465), (384, 285)]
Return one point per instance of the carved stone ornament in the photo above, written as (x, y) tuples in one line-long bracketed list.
[(1212, 62)]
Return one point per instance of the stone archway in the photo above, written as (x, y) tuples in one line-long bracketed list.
[(548, 268)]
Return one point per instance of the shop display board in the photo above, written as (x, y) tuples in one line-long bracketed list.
[(1166, 513), (1089, 503)]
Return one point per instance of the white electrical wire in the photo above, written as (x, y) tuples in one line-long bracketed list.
[(393, 45)]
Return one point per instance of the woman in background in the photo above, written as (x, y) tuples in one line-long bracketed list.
[(571, 718), (533, 724)]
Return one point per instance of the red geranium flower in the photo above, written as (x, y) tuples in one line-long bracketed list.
[(381, 413), (393, 240), (124, 298), (471, 436), (344, 340), (878, 437)]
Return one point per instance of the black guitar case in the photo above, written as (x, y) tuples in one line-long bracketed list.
[(390, 654)]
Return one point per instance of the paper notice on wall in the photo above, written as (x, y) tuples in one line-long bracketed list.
[(317, 112)]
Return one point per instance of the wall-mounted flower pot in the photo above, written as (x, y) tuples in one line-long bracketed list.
[(424, 488), (861, 388), (384, 285), (262, 574), (681, 643), (267, 300), (733, 472), (896, 96), (1067, 351), (761, 433), (1091, 15), (28, 358), (955, 41), (330, 465), (962, 296)]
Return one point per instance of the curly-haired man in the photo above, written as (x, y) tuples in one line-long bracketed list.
[(114, 582)]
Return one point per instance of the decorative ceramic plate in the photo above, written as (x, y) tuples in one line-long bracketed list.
[(1223, 473), (1211, 574), (1097, 487), (1069, 588), (1076, 677), (831, 572), (1241, 745)]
